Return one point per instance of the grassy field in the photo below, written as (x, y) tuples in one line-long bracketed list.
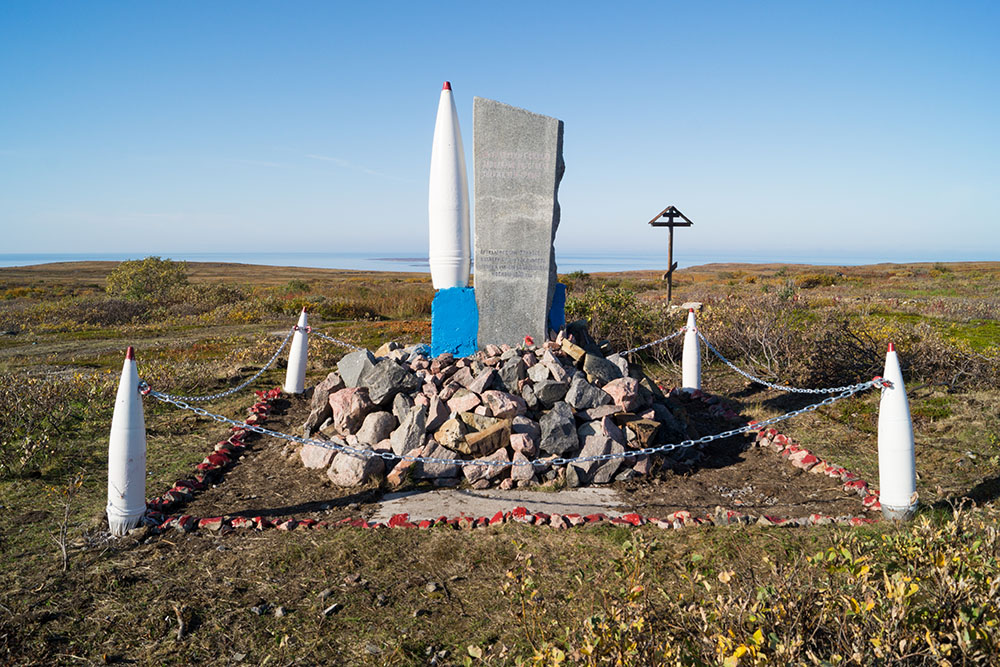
[(921, 593)]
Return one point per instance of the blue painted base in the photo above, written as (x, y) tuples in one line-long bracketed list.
[(454, 322), (557, 313)]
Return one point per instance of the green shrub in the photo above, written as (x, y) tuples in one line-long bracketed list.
[(150, 279), (810, 280), (41, 412), (617, 314)]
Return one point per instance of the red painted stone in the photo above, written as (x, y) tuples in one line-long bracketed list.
[(858, 486), (213, 523), (217, 459)]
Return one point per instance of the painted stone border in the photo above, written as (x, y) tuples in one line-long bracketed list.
[(805, 460), (214, 466), (227, 452)]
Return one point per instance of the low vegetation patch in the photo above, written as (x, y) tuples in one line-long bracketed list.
[(919, 593)]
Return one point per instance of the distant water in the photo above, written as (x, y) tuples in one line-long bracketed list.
[(368, 261)]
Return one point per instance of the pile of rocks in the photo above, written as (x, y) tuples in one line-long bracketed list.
[(559, 399)]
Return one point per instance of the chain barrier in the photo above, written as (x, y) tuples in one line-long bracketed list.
[(335, 340), (392, 456), (771, 385), (144, 387), (656, 342)]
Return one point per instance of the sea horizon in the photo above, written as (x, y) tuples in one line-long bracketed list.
[(589, 262)]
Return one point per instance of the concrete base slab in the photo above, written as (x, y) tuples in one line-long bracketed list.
[(458, 502)]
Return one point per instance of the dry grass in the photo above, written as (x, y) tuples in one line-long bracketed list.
[(127, 600)]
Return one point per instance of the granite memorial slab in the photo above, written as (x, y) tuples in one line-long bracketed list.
[(518, 164)]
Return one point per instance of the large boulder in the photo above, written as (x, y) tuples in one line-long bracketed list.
[(431, 470), (316, 457), (437, 414), (599, 370), (353, 365), (489, 440), (349, 407), (483, 381), (321, 393), (625, 393), (512, 374), (401, 405), (376, 427), (463, 400), (550, 392), (598, 440), (503, 405), (350, 470), (451, 434), (555, 367), (582, 395), (474, 473), (521, 472), (558, 428), (319, 405), (411, 432), (386, 379)]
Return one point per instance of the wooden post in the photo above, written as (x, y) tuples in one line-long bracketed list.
[(670, 266)]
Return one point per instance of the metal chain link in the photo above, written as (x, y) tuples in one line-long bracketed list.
[(391, 456), (657, 341), (779, 387), (144, 387), (336, 340)]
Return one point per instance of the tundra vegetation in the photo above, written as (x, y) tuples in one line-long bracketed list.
[(920, 593)]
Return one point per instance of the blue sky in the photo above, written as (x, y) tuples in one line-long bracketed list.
[(793, 128)]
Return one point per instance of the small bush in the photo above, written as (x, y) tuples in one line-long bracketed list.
[(150, 279), (42, 411), (617, 314), (295, 285), (103, 312), (811, 280)]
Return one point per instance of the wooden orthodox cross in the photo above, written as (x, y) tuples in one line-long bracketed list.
[(670, 217)]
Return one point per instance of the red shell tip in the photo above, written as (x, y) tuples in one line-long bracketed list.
[(303, 309), (130, 353), (892, 348), (690, 310), (446, 86)]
